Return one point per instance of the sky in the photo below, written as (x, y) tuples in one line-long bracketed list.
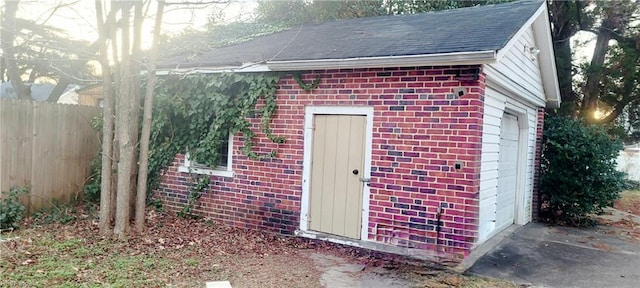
[(78, 19)]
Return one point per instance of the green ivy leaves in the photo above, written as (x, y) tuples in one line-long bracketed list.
[(197, 111), (11, 210), (306, 87)]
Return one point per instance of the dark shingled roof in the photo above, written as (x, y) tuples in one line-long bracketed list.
[(480, 28)]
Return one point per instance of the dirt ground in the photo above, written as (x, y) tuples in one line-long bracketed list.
[(624, 220), (176, 252), (629, 202)]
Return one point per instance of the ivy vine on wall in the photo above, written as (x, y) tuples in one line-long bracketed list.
[(306, 86), (197, 111)]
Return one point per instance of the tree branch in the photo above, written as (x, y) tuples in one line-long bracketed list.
[(8, 36)]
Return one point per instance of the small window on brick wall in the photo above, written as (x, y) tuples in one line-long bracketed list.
[(224, 167)]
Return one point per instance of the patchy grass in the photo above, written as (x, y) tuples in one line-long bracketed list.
[(47, 260), (176, 252), (629, 202)]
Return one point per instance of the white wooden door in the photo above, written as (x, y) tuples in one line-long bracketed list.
[(507, 172), (337, 164)]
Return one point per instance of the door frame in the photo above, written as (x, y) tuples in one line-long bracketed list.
[(503, 100), (523, 145), (517, 193), (310, 112)]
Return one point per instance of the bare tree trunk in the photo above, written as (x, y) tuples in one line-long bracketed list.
[(591, 89), (563, 15), (2, 66), (136, 58), (107, 132), (115, 71), (62, 84), (627, 93), (8, 36), (141, 197), (34, 72), (123, 129), (64, 81)]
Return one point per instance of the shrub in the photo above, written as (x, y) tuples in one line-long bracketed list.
[(57, 213), (631, 185), (577, 173), (11, 210), (91, 188)]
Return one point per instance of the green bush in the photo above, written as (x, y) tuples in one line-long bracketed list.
[(11, 210), (577, 173), (57, 213), (91, 188), (631, 185)]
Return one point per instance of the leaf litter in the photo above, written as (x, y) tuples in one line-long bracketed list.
[(177, 252)]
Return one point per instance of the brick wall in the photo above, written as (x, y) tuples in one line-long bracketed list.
[(421, 129), (535, 204)]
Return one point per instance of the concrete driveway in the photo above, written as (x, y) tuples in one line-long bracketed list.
[(543, 256)]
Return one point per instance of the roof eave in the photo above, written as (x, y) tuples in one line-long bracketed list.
[(547, 59), (516, 36), (459, 58), (442, 59), (208, 69)]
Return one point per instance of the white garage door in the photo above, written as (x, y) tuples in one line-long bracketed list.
[(507, 172)]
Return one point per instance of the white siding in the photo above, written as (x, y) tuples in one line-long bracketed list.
[(518, 71), (495, 105)]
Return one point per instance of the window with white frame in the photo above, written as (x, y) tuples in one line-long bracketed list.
[(224, 167)]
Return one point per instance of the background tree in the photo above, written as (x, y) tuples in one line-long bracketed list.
[(604, 88), (34, 51), (8, 36), (295, 12), (143, 172), (117, 24), (120, 24)]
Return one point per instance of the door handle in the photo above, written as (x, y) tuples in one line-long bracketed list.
[(365, 180)]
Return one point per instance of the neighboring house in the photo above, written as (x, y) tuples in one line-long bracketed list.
[(89, 96), (629, 161), (39, 91), (422, 138), (69, 97)]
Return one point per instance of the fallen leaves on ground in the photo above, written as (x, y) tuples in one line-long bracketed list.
[(624, 225), (180, 252), (603, 246), (629, 202)]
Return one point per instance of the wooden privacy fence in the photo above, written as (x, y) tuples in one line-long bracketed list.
[(47, 146)]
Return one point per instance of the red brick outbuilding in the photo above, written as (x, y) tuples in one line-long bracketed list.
[(422, 137)]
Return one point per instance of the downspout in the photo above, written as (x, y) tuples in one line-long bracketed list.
[(438, 224)]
